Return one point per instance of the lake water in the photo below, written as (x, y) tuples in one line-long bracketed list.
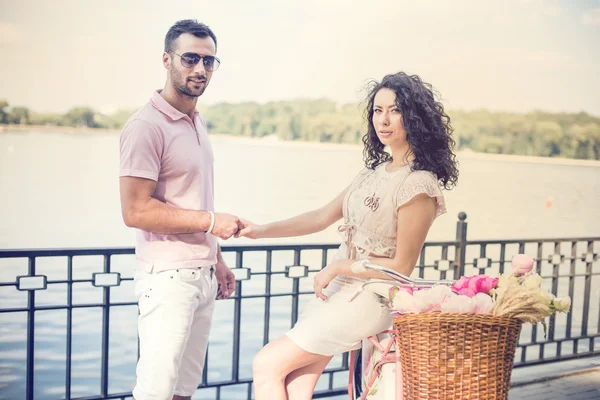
[(61, 190)]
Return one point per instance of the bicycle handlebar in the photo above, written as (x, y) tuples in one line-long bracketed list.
[(398, 279)]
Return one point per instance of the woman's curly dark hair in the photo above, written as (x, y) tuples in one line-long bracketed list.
[(428, 129)]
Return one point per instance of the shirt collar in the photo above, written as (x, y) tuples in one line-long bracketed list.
[(164, 107)]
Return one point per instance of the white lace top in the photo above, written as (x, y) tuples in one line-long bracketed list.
[(371, 209)]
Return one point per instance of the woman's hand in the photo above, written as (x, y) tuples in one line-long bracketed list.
[(322, 279), (249, 230)]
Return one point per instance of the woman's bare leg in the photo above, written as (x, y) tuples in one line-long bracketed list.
[(273, 364), (300, 384)]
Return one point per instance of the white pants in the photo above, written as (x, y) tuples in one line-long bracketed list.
[(176, 308)]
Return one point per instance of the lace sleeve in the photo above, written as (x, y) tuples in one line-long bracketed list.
[(421, 182)]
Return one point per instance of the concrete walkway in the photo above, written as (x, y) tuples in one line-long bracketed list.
[(565, 380), (576, 386), (571, 380)]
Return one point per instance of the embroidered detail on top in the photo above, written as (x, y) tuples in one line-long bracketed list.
[(372, 202)]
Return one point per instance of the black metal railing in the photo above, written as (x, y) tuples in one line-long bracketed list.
[(92, 354)]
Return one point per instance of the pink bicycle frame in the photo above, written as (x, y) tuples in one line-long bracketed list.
[(387, 356)]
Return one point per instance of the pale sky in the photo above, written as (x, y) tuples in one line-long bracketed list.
[(514, 55)]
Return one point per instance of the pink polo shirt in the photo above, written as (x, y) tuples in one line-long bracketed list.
[(161, 143)]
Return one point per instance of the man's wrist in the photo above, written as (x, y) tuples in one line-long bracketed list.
[(204, 220), (212, 222)]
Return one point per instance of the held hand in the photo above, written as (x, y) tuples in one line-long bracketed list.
[(226, 225), (249, 230), (322, 280), (225, 280)]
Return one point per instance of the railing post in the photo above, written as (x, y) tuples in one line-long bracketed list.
[(237, 321), (30, 381), (295, 290), (461, 245), (105, 332)]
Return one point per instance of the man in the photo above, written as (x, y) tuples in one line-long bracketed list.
[(167, 193)]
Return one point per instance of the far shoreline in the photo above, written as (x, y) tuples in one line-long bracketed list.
[(273, 140)]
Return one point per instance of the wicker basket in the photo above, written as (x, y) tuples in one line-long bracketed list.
[(456, 356)]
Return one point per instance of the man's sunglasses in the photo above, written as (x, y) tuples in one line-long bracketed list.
[(188, 60)]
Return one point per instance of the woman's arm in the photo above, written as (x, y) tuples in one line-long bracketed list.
[(414, 220), (303, 224)]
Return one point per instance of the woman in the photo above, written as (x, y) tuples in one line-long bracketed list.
[(387, 212)]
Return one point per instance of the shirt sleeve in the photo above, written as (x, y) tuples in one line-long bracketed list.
[(419, 182), (141, 150)]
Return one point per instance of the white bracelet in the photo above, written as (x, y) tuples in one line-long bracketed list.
[(212, 222)]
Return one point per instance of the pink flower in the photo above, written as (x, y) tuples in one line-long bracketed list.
[(461, 283), (471, 285), (459, 304), (404, 302), (428, 300), (407, 289), (466, 292), (522, 264), (396, 289), (483, 304), (488, 284), (479, 304)]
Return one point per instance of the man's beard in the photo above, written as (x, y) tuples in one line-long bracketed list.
[(180, 85)]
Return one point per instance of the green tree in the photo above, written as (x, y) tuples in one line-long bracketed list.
[(574, 135), (3, 113), (81, 117), (19, 115), (548, 138), (46, 119)]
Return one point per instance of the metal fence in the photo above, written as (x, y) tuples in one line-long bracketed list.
[(273, 282)]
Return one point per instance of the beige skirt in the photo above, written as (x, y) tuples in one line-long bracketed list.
[(337, 325)]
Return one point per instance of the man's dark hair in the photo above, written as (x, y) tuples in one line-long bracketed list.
[(192, 26)]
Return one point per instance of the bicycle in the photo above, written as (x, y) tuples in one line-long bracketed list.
[(388, 347)]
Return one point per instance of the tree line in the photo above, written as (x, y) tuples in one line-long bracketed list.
[(570, 135)]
